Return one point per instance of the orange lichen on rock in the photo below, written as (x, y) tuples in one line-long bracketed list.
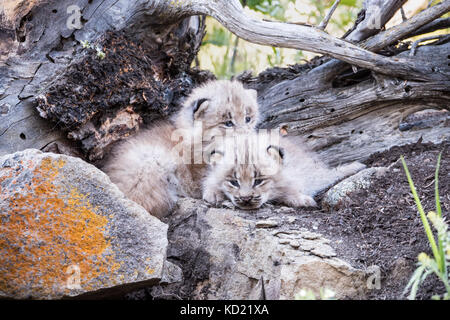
[(46, 229)]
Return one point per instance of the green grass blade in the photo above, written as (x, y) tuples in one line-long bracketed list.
[(436, 187), (423, 217), (414, 282), (442, 266)]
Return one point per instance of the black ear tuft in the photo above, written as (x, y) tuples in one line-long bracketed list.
[(215, 156), (216, 151), (280, 150), (197, 105)]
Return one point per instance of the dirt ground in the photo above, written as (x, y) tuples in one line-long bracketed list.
[(382, 226)]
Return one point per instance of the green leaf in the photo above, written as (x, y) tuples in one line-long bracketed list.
[(414, 282), (442, 266), (436, 187), (423, 217), (350, 3)]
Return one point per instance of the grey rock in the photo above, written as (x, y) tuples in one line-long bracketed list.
[(269, 223), (323, 250), (338, 194), (171, 273), (310, 235), (225, 255), (67, 230), (294, 244), (402, 269)]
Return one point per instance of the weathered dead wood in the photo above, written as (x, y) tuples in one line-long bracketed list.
[(435, 25), (277, 34), (327, 70), (351, 122), (400, 31), (98, 101), (330, 112), (323, 24), (383, 39), (145, 72), (375, 14)]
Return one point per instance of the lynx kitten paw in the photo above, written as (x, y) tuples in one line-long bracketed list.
[(212, 197), (302, 200)]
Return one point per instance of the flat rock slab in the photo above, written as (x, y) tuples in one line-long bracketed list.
[(66, 230), (231, 254)]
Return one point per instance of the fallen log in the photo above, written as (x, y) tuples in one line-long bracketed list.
[(77, 86)]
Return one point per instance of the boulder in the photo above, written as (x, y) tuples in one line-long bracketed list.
[(338, 195), (233, 254), (66, 231)]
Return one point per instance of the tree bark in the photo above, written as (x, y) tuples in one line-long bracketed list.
[(92, 101), (135, 69)]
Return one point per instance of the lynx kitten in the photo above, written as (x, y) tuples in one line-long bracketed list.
[(157, 165), (251, 170)]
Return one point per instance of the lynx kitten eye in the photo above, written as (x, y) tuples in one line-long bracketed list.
[(229, 124), (247, 119), (257, 182), (234, 183)]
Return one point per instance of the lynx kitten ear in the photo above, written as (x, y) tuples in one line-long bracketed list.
[(276, 153), (215, 157), (198, 107)]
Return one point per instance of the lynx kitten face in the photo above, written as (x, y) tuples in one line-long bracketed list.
[(219, 107), (246, 172), (251, 170)]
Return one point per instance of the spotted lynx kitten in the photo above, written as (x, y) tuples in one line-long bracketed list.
[(250, 171), (153, 170)]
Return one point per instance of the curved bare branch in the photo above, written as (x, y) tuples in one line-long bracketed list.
[(230, 14), (376, 14), (435, 25), (404, 29)]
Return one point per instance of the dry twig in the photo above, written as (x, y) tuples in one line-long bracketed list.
[(327, 18)]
